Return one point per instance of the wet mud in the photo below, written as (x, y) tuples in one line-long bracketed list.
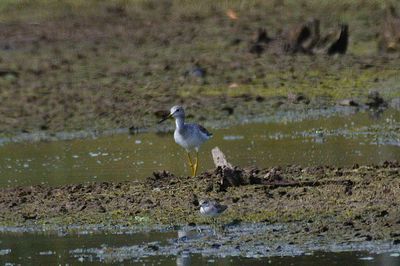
[(358, 203), (265, 241)]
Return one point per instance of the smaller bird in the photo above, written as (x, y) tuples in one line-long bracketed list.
[(188, 136), (211, 208)]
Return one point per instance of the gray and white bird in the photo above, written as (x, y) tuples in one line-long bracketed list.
[(188, 136), (211, 208)]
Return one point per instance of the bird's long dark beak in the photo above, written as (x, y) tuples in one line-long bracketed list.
[(165, 118)]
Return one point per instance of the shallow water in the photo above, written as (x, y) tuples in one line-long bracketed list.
[(361, 138), (50, 249)]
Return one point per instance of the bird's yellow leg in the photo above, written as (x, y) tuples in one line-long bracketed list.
[(190, 162), (196, 164)]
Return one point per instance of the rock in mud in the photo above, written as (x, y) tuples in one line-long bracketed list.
[(348, 102)]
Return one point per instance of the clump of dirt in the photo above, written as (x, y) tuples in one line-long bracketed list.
[(305, 38), (360, 201)]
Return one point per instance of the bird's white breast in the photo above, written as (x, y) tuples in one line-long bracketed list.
[(179, 139), (188, 141), (208, 210)]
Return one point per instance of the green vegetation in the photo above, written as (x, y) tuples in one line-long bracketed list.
[(314, 83)]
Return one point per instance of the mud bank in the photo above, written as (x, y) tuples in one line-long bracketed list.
[(96, 66), (342, 204)]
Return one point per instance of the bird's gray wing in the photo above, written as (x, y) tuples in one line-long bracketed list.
[(204, 131), (221, 207)]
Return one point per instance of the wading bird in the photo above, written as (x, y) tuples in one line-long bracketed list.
[(189, 136), (212, 209)]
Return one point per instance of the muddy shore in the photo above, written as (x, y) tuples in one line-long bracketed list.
[(360, 203), (101, 66)]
